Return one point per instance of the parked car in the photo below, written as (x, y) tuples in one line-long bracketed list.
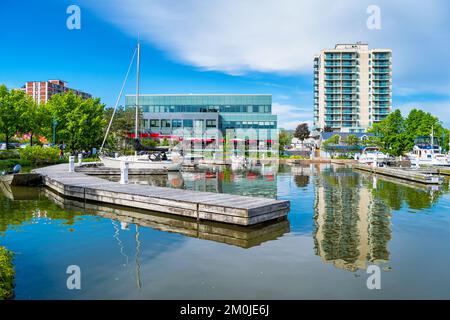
[(11, 145)]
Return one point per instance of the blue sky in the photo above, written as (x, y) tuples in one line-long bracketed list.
[(233, 46)]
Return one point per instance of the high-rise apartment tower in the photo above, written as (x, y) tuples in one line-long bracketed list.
[(352, 87)]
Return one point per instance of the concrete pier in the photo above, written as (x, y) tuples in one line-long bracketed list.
[(225, 208), (426, 177)]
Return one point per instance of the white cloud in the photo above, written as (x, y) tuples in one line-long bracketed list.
[(289, 116), (281, 36)]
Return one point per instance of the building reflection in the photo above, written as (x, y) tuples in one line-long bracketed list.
[(258, 181), (352, 226)]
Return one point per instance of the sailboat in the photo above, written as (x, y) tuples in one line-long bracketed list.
[(156, 159)]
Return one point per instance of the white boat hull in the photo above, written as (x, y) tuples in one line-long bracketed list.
[(140, 163), (371, 156), (371, 159), (429, 162)]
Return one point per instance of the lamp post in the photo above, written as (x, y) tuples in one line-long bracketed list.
[(54, 124)]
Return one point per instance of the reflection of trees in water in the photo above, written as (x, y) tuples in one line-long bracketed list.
[(351, 227), (16, 213), (395, 194), (388, 193), (301, 181)]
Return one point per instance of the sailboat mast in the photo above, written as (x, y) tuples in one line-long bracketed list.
[(432, 136), (137, 90)]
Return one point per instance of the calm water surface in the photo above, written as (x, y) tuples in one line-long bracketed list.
[(340, 223)]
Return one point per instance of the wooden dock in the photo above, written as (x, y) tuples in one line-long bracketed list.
[(430, 176), (234, 209), (445, 171)]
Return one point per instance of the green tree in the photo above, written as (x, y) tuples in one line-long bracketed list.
[(333, 140), (390, 133), (419, 123), (284, 139), (352, 140), (122, 125), (80, 121), (302, 132), (36, 120), (446, 139), (13, 104)]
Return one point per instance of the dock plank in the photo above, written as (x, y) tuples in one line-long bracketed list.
[(234, 209)]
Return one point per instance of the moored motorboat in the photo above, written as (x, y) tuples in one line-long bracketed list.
[(425, 153), (372, 156)]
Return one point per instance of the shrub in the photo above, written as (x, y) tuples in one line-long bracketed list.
[(165, 142), (149, 142), (91, 159), (38, 155), (7, 274), (9, 154), (10, 163)]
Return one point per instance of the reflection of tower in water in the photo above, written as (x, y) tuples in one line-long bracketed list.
[(351, 225)]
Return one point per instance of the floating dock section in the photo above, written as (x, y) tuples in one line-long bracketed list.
[(234, 209), (430, 176)]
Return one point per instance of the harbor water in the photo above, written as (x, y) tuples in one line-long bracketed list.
[(341, 223)]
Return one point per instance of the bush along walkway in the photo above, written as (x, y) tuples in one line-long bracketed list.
[(7, 274)]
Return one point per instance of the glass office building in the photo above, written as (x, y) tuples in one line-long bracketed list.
[(216, 122)]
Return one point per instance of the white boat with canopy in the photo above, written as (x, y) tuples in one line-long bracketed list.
[(372, 156), (428, 152)]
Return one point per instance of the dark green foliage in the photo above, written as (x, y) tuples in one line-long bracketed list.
[(80, 122), (284, 139), (7, 274), (396, 135), (302, 131), (38, 155), (14, 106)]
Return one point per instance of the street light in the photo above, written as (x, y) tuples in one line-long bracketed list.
[(54, 123)]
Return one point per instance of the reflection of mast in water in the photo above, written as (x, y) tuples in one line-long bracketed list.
[(138, 253), (119, 242)]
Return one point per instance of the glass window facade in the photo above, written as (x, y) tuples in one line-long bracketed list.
[(212, 121), (233, 111)]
